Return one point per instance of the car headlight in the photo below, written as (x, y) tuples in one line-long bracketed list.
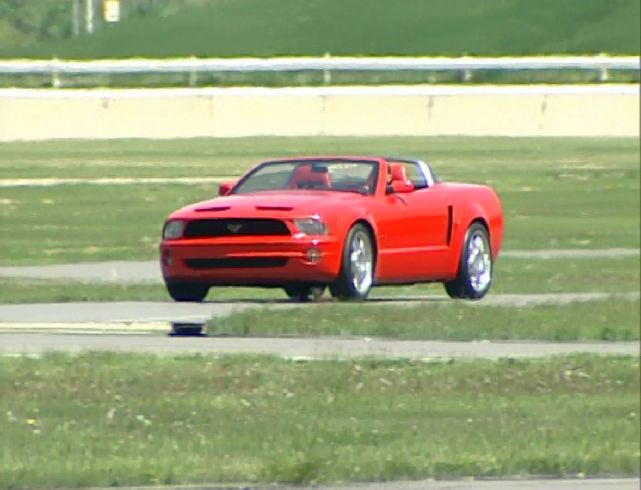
[(173, 229), (311, 226)]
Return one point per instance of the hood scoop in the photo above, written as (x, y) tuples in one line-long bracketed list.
[(274, 208), (212, 209)]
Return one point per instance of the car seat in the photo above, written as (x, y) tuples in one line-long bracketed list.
[(310, 177), (400, 182)]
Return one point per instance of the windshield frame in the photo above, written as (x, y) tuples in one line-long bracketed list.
[(375, 163)]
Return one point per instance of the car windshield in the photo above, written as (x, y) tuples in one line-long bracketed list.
[(327, 175)]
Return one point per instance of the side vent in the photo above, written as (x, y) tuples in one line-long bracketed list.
[(450, 224)]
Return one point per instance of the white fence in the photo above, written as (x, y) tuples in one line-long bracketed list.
[(326, 64)]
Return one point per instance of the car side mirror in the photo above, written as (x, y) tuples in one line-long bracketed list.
[(399, 187), (225, 187)]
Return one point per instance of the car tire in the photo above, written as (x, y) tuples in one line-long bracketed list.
[(357, 266), (476, 269), (302, 293), (184, 291)]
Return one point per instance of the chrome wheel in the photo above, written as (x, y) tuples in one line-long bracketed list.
[(479, 262), (358, 263), (361, 262), (474, 277)]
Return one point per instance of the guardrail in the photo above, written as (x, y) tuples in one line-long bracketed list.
[(326, 64)]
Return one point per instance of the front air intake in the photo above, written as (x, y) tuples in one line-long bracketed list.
[(212, 228), (236, 263)]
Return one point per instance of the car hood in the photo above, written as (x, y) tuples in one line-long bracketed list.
[(282, 204)]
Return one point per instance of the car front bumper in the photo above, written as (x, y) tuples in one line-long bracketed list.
[(252, 261)]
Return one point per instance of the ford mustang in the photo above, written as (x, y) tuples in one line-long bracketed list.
[(343, 222)]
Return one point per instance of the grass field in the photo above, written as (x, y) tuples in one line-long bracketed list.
[(556, 193), (113, 420), (349, 27), (609, 319)]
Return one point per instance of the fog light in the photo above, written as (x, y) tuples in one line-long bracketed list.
[(313, 255), (167, 260)]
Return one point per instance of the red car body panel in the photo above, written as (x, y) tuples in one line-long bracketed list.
[(418, 234)]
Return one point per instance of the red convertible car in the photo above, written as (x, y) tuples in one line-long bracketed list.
[(345, 222)]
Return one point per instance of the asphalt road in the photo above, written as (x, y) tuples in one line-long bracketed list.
[(155, 311), (72, 327), (601, 484), (568, 484), (18, 342)]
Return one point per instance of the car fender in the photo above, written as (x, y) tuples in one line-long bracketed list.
[(486, 210), (342, 220)]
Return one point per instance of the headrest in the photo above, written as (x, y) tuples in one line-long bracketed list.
[(399, 173), (307, 174), (400, 182)]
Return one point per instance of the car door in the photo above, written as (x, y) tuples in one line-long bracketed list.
[(413, 231)]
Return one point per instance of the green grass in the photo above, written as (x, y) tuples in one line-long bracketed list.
[(113, 420), (89, 223), (608, 319), (611, 275), (18, 290), (351, 27), (523, 160), (536, 276), (513, 276), (556, 193)]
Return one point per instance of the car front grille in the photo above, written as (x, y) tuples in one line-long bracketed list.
[(236, 262), (210, 228)]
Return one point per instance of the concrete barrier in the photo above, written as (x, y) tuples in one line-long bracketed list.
[(574, 110)]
